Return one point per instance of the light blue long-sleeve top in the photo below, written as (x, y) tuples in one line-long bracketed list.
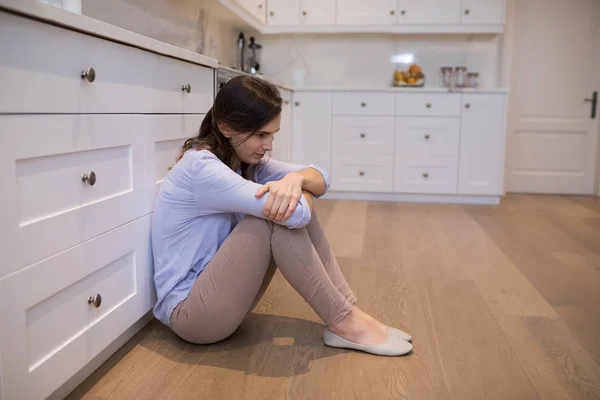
[(198, 205)]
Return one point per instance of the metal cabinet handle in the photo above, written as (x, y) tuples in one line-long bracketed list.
[(89, 74), (392, 12), (260, 6), (361, 173), (403, 12), (363, 104), (594, 101), (89, 178), (296, 103), (428, 105), (467, 106), (187, 88), (304, 13), (271, 13), (427, 137), (95, 300), (467, 11), (363, 135), (425, 175)]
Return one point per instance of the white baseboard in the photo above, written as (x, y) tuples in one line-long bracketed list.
[(100, 359), (413, 198)]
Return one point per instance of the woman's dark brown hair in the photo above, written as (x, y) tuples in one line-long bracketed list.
[(245, 104)]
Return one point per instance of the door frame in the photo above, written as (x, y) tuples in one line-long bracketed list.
[(507, 55)]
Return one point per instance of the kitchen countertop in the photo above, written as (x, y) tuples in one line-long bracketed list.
[(396, 89), (58, 16), (266, 78)]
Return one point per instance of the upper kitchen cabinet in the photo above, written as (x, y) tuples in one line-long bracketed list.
[(283, 12), (256, 8), (360, 12), (429, 12), (317, 12), (483, 12)]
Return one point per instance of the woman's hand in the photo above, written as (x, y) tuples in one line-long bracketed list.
[(284, 196)]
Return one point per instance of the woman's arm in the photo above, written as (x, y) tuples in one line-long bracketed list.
[(315, 179)]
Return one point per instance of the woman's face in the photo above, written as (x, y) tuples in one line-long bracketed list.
[(251, 149)]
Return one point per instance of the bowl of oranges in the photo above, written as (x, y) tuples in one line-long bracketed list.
[(413, 77)]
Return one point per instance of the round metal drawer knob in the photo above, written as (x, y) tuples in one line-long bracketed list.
[(363, 135), (89, 178), (467, 11), (95, 300), (392, 12), (403, 12), (427, 137), (361, 173), (428, 105), (467, 105), (363, 104), (425, 175), (304, 13), (296, 103), (89, 74), (187, 88)]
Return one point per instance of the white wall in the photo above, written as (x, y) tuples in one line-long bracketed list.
[(201, 26), (366, 59)]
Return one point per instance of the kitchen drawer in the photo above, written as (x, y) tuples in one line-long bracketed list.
[(362, 173), (41, 70), (65, 310), (49, 206), (168, 133), (427, 136), (177, 86), (363, 103), (428, 104), (426, 174), (363, 135)]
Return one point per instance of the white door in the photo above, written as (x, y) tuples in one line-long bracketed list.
[(429, 11), (311, 122), (480, 169), (552, 137), (317, 12), (484, 12), (283, 12), (361, 12), (257, 8)]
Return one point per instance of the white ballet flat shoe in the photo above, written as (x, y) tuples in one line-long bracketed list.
[(397, 332), (392, 346)]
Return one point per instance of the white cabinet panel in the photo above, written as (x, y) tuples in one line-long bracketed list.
[(363, 135), (362, 172), (43, 162), (482, 144), (428, 104), (317, 12), (41, 71), (65, 310), (426, 174), (429, 12), (483, 12), (256, 8), (311, 120), (363, 103), (283, 12), (427, 136), (282, 142), (361, 12)]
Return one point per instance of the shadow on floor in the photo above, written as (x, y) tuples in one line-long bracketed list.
[(264, 345)]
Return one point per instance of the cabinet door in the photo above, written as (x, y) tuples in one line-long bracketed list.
[(429, 11), (317, 12), (311, 122), (482, 144), (483, 12), (283, 12), (257, 8), (361, 12)]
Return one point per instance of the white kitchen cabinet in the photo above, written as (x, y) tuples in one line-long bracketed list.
[(426, 174), (482, 144), (282, 142), (372, 12), (283, 12), (64, 311), (317, 12), (483, 12), (311, 121), (429, 12), (362, 172), (256, 8), (363, 135)]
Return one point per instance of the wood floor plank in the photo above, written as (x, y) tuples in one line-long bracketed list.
[(477, 360), (346, 228), (554, 359)]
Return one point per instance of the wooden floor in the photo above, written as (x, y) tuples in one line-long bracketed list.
[(503, 303)]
